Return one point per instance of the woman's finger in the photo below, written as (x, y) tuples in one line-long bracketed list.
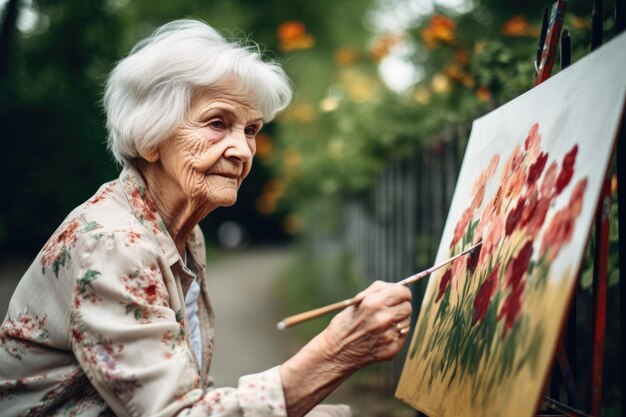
[(388, 296), (375, 286), (403, 324), (377, 327), (383, 314), (402, 311)]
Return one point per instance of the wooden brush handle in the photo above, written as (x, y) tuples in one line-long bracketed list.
[(311, 314), (308, 315)]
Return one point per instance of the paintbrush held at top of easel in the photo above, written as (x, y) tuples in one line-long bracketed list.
[(311, 314)]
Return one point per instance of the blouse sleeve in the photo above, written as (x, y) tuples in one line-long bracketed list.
[(132, 344)]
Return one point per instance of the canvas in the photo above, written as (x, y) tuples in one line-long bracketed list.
[(528, 188)]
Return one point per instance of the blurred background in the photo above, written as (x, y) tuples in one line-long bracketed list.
[(351, 183)]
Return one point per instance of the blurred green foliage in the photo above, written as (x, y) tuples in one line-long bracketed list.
[(344, 123), (55, 56), (336, 138)]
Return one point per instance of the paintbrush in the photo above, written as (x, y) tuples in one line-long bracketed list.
[(311, 314)]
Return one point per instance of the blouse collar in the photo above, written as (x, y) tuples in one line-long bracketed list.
[(144, 209)]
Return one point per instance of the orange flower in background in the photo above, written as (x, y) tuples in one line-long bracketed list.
[(346, 56), (292, 224), (518, 26), (462, 57), (292, 35), (292, 159), (614, 184), (440, 30), (383, 45), (358, 85), (301, 113), (483, 93), (265, 205), (275, 187), (515, 26), (480, 46), (468, 81), (454, 72), (457, 71), (580, 23), (272, 193), (264, 146)]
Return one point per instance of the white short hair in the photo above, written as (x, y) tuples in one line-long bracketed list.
[(148, 93)]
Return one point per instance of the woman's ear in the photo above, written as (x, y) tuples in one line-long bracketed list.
[(151, 155)]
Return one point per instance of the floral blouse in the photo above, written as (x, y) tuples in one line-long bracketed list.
[(97, 326)]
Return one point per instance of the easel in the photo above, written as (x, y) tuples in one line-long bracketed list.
[(550, 34)]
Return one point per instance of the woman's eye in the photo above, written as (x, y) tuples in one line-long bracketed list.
[(251, 130), (216, 124)]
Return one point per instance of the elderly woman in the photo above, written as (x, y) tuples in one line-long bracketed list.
[(113, 317)]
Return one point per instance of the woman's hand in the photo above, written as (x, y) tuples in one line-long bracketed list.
[(371, 331)]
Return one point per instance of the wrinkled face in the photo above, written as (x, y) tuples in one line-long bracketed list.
[(211, 153)]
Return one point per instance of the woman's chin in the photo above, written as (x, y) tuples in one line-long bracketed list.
[(224, 199), (220, 191), (228, 203)]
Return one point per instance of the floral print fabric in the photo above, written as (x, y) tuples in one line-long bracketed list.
[(97, 325)]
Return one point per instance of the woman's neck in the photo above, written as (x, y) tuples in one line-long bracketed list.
[(179, 213)]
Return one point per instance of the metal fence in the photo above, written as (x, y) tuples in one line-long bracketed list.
[(393, 230)]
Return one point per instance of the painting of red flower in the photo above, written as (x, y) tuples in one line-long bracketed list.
[(525, 211), (489, 321), (508, 224)]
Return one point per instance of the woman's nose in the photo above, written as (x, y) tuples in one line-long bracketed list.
[(238, 148)]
